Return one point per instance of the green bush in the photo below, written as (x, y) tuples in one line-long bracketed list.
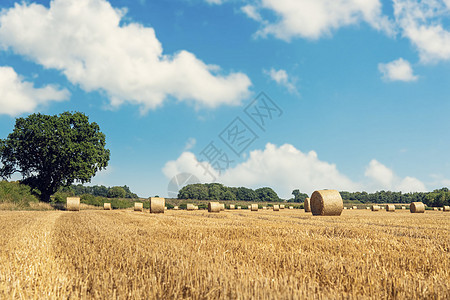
[(15, 192)]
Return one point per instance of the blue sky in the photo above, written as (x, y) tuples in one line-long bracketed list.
[(361, 88)]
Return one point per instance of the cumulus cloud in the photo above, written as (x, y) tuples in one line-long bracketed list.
[(89, 42), (18, 96), (397, 70), (190, 143), (281, 78), (313, 19), (422, 23), (286, 168), (383, 178)]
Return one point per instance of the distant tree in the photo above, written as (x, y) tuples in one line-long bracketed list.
[(116, 192), (299, 197), (266, 194), (246, 194), (53, 151)]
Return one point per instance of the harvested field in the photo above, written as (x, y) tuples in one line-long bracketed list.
[(235, 254)]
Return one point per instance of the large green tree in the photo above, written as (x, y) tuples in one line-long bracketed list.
[(53, 151)]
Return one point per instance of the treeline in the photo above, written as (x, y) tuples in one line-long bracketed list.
[(217, 191), (438, 197), (101, 191)]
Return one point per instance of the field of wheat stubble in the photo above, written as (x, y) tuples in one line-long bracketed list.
[(289, 254)]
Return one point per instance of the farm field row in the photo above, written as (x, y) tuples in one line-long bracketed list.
[(232, 254)]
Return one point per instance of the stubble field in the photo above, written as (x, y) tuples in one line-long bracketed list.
[(234, 254)]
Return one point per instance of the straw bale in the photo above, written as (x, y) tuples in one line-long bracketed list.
[(441, 208), (190, 206), (307, 205), (73, 203), (254, 207), (239, 207), (390, 207), (326, 203), (276, 207), (138, 206), (446, 208), (282, 206), (232, 206), (214, 207), (417, 207), (157, 205), (291, 207), (375, 208), (107, 206), (249, 207), (368, 207), (435, 208), (354, 207), (222, 207), (175, 208), (403, 207)]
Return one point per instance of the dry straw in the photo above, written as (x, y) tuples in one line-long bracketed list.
[(417, 207), (441, 208), (403, 207), (276, 207), (375, 208), (264, 207), (345, 208), (282, 206), (195, 207), (214, 207), (446, 208), (368, 207), (157, 205), (354, 207), (390, 207), (239, 207), (222, 207), (107, 206), (73, 203), (291, 207), (326, 203), (436, 209), (307, 205), (138, 206), (175, 207), (249, 207), (190, 206), (254, 207), (232, 206)]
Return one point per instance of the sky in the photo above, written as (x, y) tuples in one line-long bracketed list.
[(292, 94)]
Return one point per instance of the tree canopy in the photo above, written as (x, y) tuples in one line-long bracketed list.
[(53, 151), (217, 191)]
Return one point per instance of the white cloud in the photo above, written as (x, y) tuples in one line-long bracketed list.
[(397, 70), (383, 178), (281, 78), (286, 168), (190, 144), (18, 96), (313, 19), (422, 24), (218, 2), (87, 42)]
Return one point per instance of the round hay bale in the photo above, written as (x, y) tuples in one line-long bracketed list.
[(276, 207), (291, 207), (435, 208), (190, 206), (390, 207), (254, 207), (282, 206), (368, 207), (375, 208), (264, 207), (354, 207), (403, 207), (345, 208), (214, 207), (222, 207), (232, 206), (441, 208), (107, 206), (73, 203), (138, 206), (307, 205), (326, 203), (446, 208), (157, 205), (417, 207), (175, 207), (195, 207), (249, 207), (239, 207)]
